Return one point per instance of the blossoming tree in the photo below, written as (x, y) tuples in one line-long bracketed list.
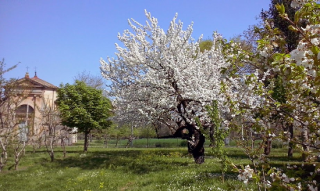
[(287, 88), (159, 74)]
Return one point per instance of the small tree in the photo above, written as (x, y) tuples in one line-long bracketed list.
[(52, 128), (83, 107), (13, 135)]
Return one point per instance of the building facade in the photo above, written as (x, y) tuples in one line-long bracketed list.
[(37, 109)]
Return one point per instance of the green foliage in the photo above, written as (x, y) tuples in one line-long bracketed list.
[(83, 107), (288, 87), (147, 132), (279, 9), (279, 92), (205, 45), (220, 134)]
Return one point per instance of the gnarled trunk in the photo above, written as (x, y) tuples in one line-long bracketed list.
[(195, 141), (195, 146)]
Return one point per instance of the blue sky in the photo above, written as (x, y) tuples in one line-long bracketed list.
[(62, 38)]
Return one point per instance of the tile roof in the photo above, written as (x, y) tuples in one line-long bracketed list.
[(42, 82), (37, 81)]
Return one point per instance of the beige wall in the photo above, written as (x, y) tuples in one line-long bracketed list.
[(50, 96), (37, 102)]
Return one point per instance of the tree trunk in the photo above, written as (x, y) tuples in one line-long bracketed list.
[(130, 141), (39, 144), (90, 136), (52, 156), (305, 143), (290, 149), (64, 148), (24, 149), (85, 146), (267, 146), (16, 157), (105, 141), (117, 140), (195, 144), (4, 156), (51, 149), (211, 135), (1, 167), (49, 144), (34, 148), (16, 164), (17, 154), (195, 141)]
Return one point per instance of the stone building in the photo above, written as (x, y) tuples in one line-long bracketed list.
[(38, 95)]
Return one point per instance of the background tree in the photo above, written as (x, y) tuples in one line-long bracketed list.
[(205, 45), (52, 130), (272, 15), (148, 132), (287, 89), (285, 40), (63, 137), (115, 133), (83, 107), (289, 40), (13, 135), (95, 81)]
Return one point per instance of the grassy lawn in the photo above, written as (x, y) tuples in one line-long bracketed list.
[(124, 169), (141, 143)]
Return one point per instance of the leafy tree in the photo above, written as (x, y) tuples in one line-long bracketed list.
[(272, 15), (83, 107), (285, 40), (205, 45), (287, 86), (288, 40)]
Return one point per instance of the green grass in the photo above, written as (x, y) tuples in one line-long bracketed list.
[(124, 169), (144, 143), (140, 143)]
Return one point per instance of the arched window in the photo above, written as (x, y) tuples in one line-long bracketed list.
[(25, 113)]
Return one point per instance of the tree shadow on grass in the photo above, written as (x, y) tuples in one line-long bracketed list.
[(135, 161)]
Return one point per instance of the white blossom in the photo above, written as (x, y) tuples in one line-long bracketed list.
[(157, 71), (245, 174), (315, 41), (298, 3)]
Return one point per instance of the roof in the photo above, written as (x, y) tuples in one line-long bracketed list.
[(37, 81), (42, 82)]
